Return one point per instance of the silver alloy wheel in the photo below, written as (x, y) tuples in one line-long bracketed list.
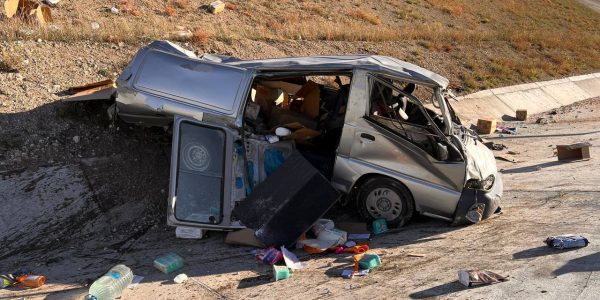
[(384, 203)]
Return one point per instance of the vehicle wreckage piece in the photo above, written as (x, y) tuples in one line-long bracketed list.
[(287, 203)]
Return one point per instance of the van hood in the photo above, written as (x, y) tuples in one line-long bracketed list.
[(480, 160)]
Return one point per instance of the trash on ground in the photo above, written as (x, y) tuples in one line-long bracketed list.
[(291, 260), (380, 226), (184, 232), (349, 274), (506, 129), (486, 126), (101, 90), (359, 236), (181, 278), (521, 115), (281, 272), (32, 281), (416, 255), (51, 2), (494, 146), (475, 277), (574, 151), (216, 7), (28, 10), (243, 237), (111, 284), (135, 281), (287, 203), (567, 241), (321, 225), (168, 263), (358, 249), (367, 261), (270, 256)]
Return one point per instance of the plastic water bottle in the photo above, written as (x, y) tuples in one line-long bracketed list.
[(111, 285)]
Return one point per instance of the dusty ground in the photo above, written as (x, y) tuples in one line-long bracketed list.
[(71, 210)]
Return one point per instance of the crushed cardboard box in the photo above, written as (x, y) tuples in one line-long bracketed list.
[(28, 9)]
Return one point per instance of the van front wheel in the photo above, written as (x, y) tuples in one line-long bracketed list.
[(383, 197)]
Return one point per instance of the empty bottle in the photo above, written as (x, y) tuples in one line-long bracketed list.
[(111, 285)]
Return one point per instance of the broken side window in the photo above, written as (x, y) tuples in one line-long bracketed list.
[(392, 108)]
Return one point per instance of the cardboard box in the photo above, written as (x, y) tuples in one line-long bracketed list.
[(310, 93), (217, 7), (486, 126), (244, 237), (521, 115), (574, 151)]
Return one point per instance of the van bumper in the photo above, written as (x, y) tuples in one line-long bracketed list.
[(469, 197)]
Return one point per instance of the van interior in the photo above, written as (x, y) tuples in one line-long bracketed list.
[(305, 112)]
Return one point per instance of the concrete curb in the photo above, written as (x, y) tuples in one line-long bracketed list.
[(534, 97)]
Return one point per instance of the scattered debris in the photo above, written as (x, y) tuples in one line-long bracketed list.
[(216, 7), (573, 152), (507, 130), (28, 10), (291, 260), (566, 241), (486, 126), (244, 237), (521, 115), (281, 272), (495, 147), (114, 10), (135, 281), (101, 90), (168, 263), (95, 25), (270, 256), (111, 284), (471, 278), (380, 226), (416, 255), (184, 232), (513, 153), (367, 261), (181, 278)]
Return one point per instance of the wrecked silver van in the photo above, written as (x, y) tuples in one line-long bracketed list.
[(381, 130)]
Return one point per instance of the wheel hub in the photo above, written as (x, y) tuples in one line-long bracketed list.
[(384, 204)]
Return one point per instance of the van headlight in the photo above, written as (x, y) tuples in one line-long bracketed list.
[(485, 184)]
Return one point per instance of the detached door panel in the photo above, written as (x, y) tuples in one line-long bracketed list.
[(199, 188)]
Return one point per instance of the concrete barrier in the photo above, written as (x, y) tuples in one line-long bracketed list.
[(501, 103)]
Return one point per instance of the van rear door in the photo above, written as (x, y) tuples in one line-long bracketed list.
[(201, 164)]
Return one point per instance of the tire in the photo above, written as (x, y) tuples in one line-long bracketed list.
[(385, 197)]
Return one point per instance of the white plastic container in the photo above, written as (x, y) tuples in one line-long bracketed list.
[(111, 285)]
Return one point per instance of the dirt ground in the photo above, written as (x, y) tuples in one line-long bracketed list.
[(74, 207)]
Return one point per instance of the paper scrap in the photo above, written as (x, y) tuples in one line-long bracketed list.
[(291, 260), (359, 236), (135, 281)]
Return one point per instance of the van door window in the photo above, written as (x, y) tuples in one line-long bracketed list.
[(392, 108)]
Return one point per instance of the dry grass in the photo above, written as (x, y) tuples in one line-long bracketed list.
[(9, 62), (200, 37), (365, 16), (170, 10), (181, 4), (490, 42)]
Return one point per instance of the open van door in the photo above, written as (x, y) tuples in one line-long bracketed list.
[(201, 164)]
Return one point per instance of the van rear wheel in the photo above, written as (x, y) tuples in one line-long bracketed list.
[(383, 197)]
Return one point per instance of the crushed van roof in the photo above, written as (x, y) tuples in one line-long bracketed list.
[(378, 63)]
